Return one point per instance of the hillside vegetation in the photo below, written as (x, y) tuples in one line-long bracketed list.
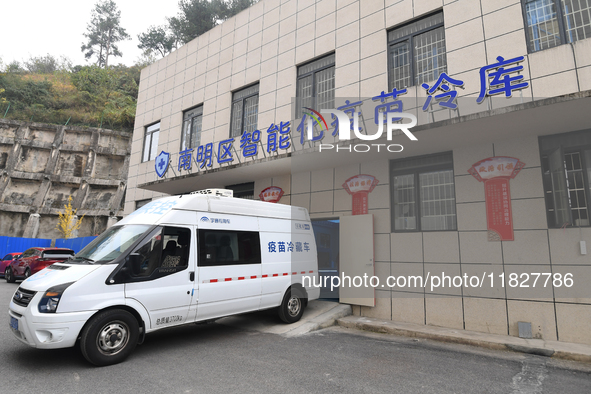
[(49, 90), (80, 96)]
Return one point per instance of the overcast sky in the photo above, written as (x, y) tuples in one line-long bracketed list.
[(39, 27)]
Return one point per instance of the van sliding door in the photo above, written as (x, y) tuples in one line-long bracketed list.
[(229, 272)]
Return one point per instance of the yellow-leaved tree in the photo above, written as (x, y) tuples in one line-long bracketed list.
[(67, 223)]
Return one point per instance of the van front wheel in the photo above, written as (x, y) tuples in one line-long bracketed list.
[(109, 337), (292, 307)]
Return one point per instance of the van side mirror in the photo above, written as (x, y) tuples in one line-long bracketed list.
[(134, 261)]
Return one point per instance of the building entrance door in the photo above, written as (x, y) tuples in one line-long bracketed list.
[(326, 233)]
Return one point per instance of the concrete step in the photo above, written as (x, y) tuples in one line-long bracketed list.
[(318, 315), (556, 349)]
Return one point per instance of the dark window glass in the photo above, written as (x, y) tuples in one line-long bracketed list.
[(191, 137), (29, 253), (316, 84), (221, 247), (423, 193), (554, 22), (141, 203), (164, 252), (566, 166), (242, 190), (417, 52), (245, 110)]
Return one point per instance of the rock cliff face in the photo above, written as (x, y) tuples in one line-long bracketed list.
[(42, 165)]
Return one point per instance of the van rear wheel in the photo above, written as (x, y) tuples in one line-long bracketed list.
[(109, 337), (292, 307)]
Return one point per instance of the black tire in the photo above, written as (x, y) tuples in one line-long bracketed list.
[(27, 273), (8, 275), (292, 307), (109, 337)]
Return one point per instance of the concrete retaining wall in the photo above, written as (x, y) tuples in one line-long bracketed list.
[(42, 165)]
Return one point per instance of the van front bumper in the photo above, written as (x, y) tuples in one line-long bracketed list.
[(46, 330)]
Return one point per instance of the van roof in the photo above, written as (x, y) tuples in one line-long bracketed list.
[(240, 206), (155, 210)]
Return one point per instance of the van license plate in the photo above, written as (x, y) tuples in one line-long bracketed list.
[(13, 323)]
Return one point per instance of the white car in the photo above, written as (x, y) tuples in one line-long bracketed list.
[(177, 260)]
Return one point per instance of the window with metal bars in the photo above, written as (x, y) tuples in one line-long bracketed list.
[(245, 110), (416, 52), (566, 167), (315, 84), (191, 128), (555, 22), (423, 193), (151, 135)]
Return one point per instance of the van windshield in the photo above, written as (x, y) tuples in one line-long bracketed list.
[(110, 244)]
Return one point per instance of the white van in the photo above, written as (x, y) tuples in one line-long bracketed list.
[(177, 260)]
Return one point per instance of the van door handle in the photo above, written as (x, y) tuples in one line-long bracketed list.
[(192, 276)]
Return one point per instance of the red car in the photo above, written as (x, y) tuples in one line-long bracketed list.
[(6, 260), (34, 260)]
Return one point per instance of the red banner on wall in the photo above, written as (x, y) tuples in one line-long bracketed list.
[(271, 194), (359, 186), (496, 172)]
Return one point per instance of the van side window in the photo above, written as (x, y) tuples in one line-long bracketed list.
[(164, 252), (221, 247)]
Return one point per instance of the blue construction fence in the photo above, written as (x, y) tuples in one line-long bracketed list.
[(19, 245)]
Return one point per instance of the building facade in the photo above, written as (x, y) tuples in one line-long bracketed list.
[(492, 183)]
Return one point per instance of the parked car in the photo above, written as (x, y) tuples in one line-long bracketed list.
[(147, 273), (6, 260), (34, 260)]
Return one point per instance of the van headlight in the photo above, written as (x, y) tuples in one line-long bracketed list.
[(51, 298)]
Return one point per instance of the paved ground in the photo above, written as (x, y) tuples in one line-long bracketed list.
[(231, 359)]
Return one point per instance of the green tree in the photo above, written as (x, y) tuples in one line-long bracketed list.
[(103, 32), (145, 59), (194, 18), (15, 67), (47, 64), (158, 39), (235, 6)]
